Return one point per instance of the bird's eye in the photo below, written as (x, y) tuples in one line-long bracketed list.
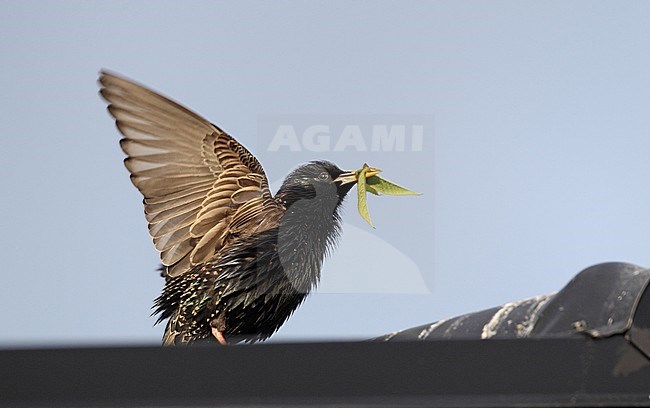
[(324, 176)]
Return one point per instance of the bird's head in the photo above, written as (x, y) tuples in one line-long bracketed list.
[(320, 180)]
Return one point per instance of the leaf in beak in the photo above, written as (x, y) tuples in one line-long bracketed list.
[(361, 195), (377, 186), (382, 186)]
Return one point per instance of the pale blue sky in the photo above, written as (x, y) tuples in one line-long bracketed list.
[(536, 167)]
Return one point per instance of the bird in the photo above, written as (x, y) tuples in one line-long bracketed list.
[(236, 259)]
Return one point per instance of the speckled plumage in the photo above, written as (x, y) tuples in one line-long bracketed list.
[(236, 260)]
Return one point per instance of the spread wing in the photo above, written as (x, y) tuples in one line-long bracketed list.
[(201, 188)]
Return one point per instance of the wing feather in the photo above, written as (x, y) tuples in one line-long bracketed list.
[(201, 188), (173, 224)]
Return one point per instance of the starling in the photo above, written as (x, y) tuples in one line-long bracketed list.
[(237, 261)]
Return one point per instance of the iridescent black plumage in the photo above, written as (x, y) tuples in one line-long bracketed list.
[(237, 261)]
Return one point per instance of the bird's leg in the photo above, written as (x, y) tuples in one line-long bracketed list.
[(218, 326), (219, 336)]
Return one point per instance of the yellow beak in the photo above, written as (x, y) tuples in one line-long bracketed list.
[(353, 176)]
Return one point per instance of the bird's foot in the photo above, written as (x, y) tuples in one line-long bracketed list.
[(219, 336)]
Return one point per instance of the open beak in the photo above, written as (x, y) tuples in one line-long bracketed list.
[(347, 177), (353, 176)]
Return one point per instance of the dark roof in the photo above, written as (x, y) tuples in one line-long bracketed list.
[(601, 301), (583, 346)]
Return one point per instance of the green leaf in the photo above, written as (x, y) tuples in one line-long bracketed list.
[(361, 194), (377, 186), (371, 189), (382, 186)]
